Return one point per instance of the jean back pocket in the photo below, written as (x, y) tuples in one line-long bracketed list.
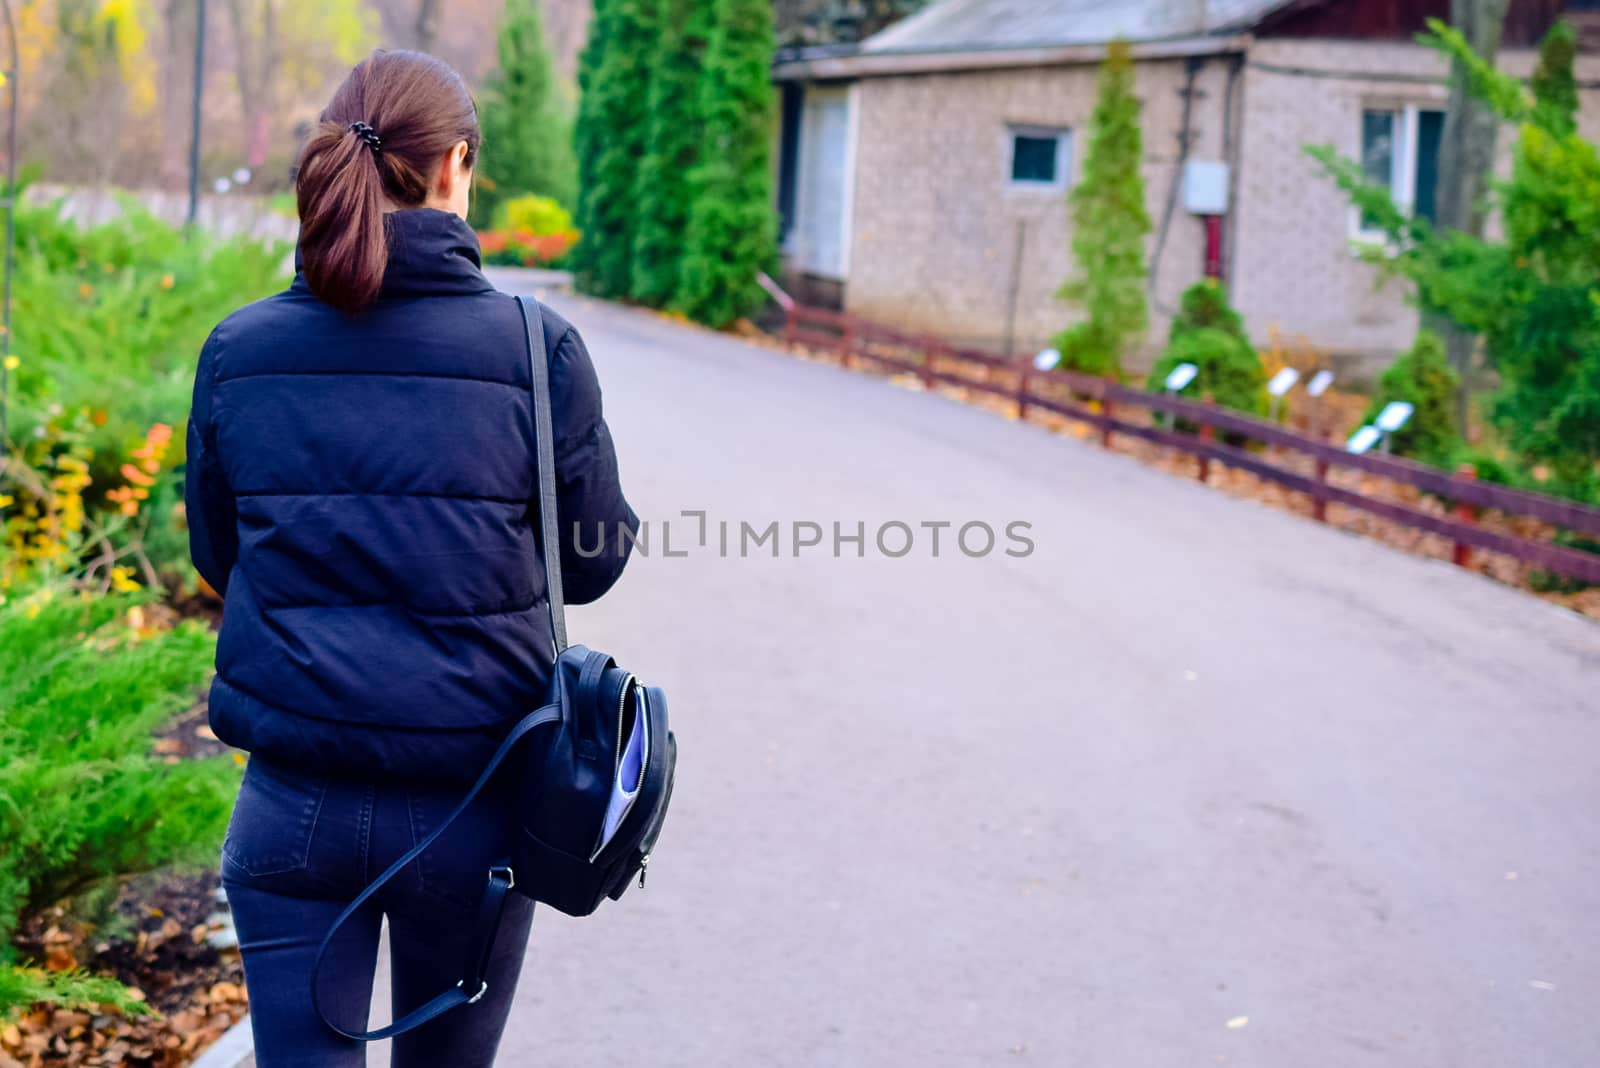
[(273, 820)]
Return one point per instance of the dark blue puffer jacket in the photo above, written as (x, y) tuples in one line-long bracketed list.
[(362, 490)]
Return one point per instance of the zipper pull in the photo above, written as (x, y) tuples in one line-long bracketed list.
[(644, 869)]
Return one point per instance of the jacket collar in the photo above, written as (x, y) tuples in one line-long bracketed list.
[(430, 251)]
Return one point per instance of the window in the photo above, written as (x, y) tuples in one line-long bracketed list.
[(1400, 149), (1038, 158)]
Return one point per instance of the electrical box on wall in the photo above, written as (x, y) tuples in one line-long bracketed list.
[(1205, 187)]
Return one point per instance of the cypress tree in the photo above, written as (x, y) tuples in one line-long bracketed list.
[(732, 226), (527, 143), (671, 151), (1109, 228), (614, 77), (1555, 86)]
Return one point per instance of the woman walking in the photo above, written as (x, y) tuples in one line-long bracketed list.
[(361, 489)]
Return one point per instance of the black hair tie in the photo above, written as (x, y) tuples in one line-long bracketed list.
[(369, 135)]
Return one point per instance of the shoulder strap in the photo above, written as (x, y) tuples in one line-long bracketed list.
[(544, 442), (501, 879)]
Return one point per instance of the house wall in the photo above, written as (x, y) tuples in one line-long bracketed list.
[(1292, 263), (935, 222)]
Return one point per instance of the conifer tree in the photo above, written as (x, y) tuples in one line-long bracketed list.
[(671, 150), (614, 78), (1554, 83), (732, 225), (1109, 228), (527, 146)]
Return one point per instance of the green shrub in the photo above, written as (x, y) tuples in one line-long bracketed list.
[(111, 317), (1542, 581), (109, 322), (538, 215), (1208, 333), (1423, 378), (83, 800)]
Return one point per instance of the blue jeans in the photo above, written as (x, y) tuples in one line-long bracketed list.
[(298, 849)]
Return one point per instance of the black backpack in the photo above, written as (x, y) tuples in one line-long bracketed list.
[(575, 744)]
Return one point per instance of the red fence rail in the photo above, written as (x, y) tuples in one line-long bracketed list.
[(860, 341)]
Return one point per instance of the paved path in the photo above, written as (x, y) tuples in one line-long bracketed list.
[(1192, 761)]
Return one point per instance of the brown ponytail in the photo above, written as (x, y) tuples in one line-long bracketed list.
[(417, 109)]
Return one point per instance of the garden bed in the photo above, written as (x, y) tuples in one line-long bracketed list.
[(160, 948)]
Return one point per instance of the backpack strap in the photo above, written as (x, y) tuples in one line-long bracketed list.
[(472, 984), (544, 445)]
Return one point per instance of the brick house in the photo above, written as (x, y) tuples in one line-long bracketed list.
[(923, 172)]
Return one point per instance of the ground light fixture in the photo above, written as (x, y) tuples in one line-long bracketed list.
[(1047, 359), (1281, 384), (1363, 439), (1180, 376), (1392, 418), (1319, 383)]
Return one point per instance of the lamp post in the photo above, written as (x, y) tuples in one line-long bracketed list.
[(194, 115), (13, 72)]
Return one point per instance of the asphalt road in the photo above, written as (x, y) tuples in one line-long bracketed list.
[(1192, 783)]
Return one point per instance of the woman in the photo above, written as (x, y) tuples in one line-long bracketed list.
[(361, 490)]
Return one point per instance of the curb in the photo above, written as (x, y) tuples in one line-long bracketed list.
[(235, 1048)]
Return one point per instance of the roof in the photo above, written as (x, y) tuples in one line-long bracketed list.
[(982, 25)]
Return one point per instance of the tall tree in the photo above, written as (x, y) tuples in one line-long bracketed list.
[(671, 151), (614, 78), (1110, 224), (732, 231), (1466, 159), (527, 142), (283, 48)]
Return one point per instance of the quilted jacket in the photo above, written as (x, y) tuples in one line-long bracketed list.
[(362, 490)]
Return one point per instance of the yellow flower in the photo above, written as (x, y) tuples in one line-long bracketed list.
[(122, 580), (6, 500), (167, 281), (12, 363)]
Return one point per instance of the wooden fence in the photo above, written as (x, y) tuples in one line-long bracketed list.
[(860, 342)]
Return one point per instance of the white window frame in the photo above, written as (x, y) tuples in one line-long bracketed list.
[(1062, 135), (1402, 163)]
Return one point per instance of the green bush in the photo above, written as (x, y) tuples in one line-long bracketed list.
[(538, 215), (1542, 581), (109, 322), (83, 800), (1423, 378), (1208, 333), (111, 317)]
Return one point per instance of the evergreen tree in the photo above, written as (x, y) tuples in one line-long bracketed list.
[(527, 146), (671, 151), (732, 226), (1109, 228), (1424, 379), (1208, 333), (614, 78), (1554, 84)]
